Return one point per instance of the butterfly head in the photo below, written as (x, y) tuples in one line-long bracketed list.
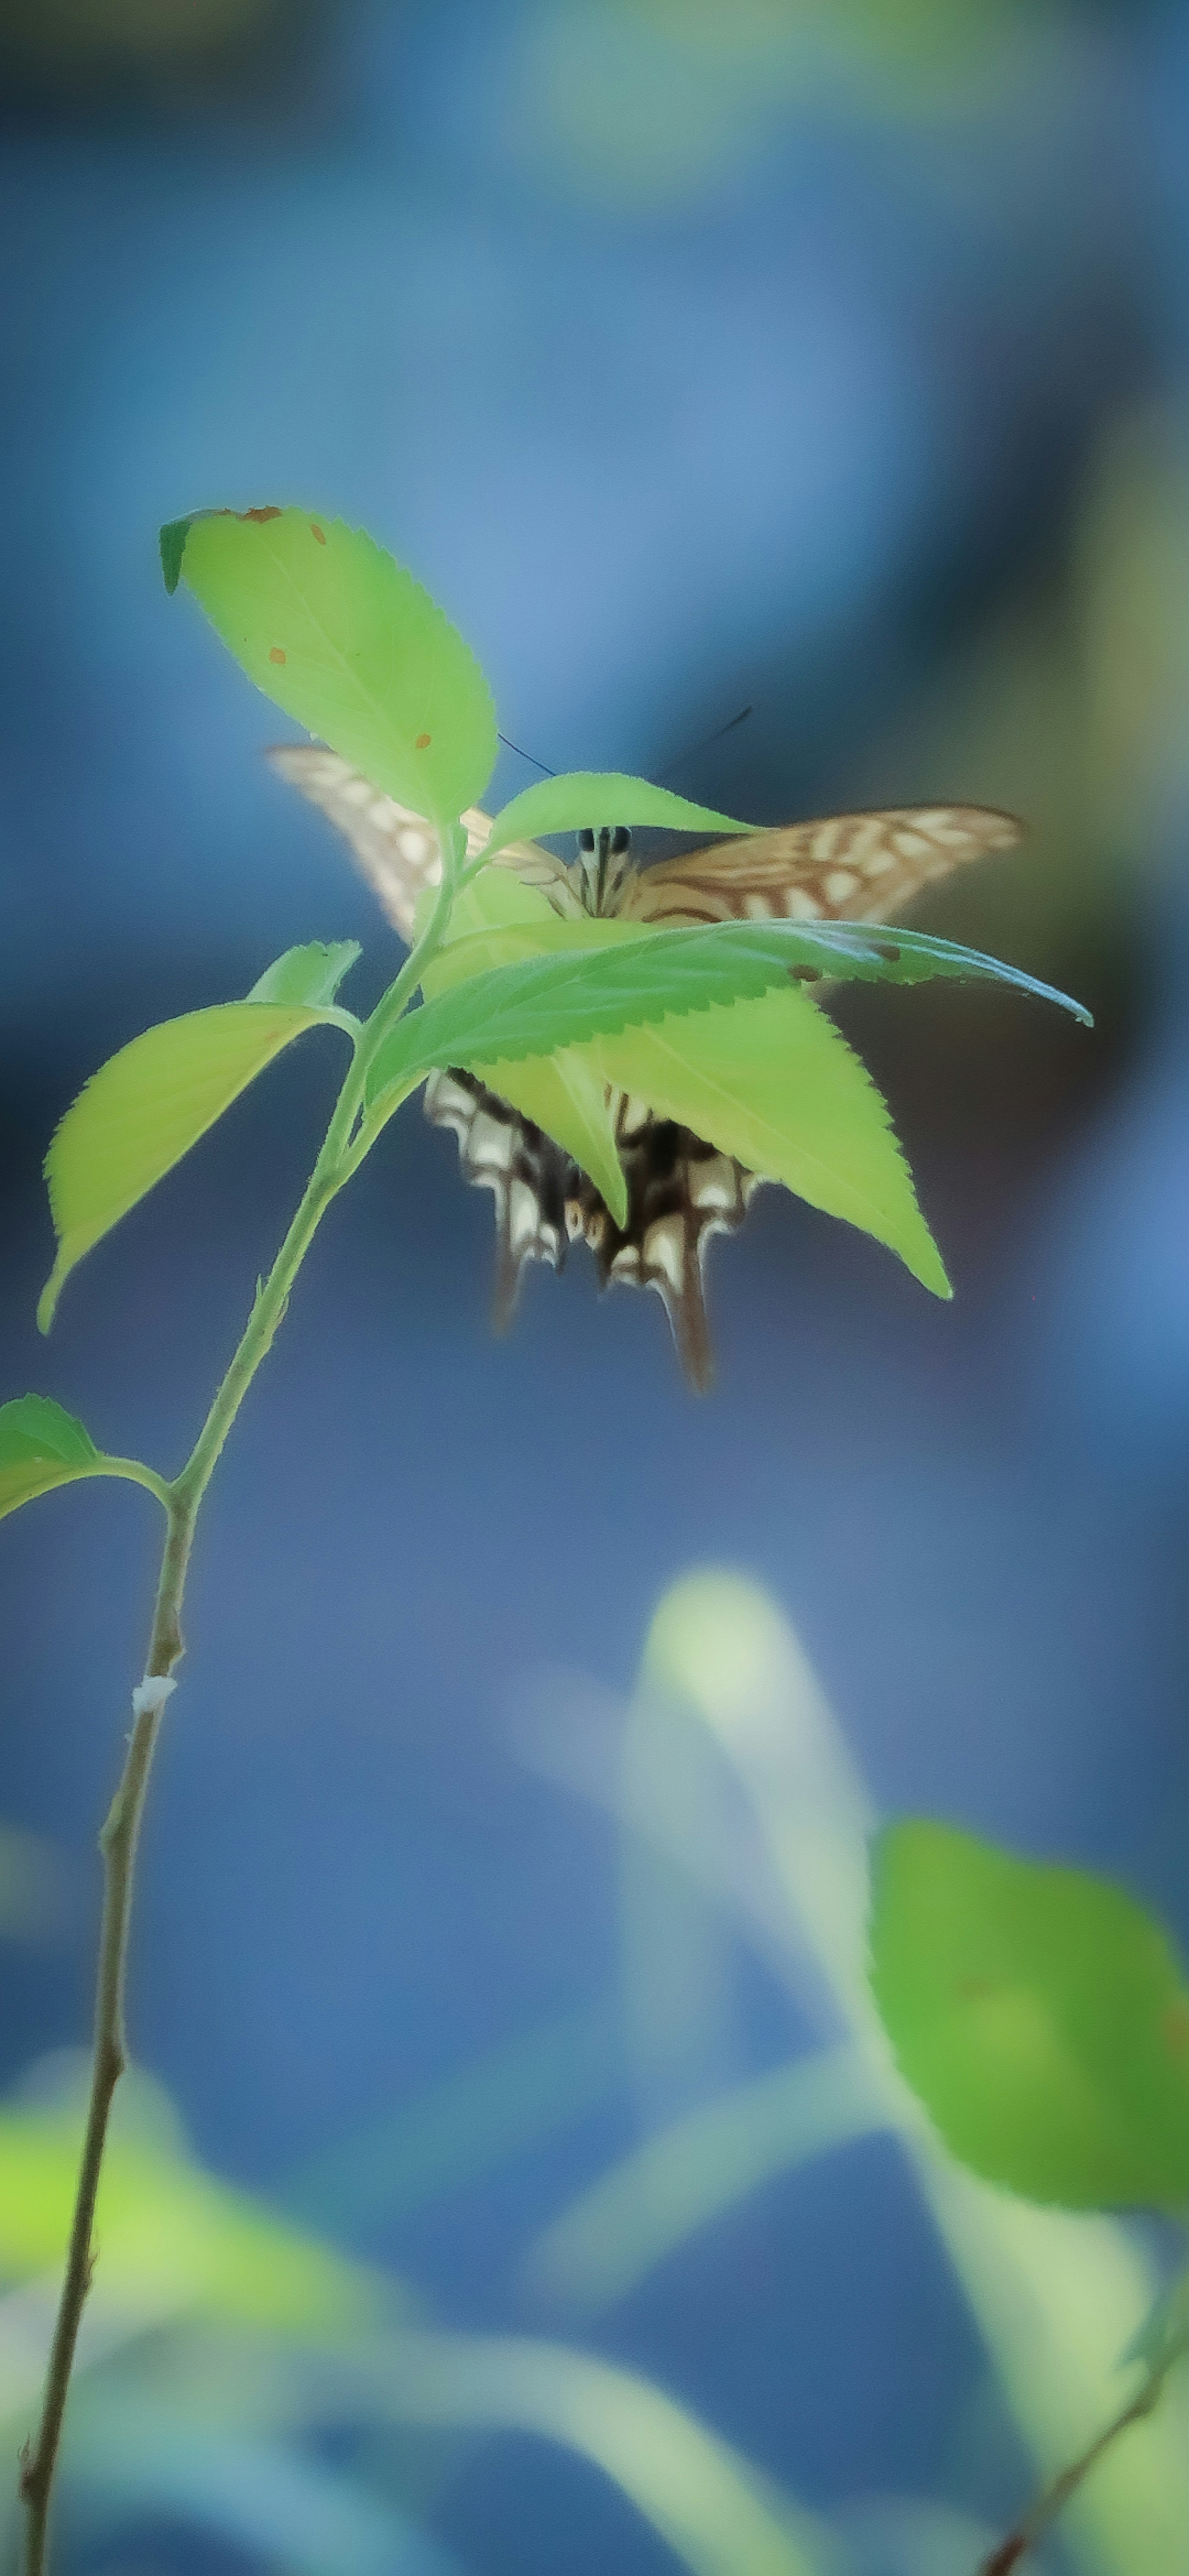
[(604, 859)]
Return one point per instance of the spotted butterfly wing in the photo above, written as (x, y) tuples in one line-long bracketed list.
[(846, 867), (681, 1189), (532, 1178), (394, 848)]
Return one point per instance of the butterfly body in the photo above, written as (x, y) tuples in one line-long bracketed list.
[(681, 1188)]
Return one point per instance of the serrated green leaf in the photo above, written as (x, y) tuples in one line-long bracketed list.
[(342, 637), (1041, 2016), (564, 1095), (774, 1083), (144, 1109), (599, 976), (40, 1446), (586, 799), (769, 1080), (310, 975)]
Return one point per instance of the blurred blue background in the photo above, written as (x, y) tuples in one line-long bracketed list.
[(825, 358)]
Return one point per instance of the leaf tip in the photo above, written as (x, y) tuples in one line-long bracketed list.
[(48, 1300), (172, 541)]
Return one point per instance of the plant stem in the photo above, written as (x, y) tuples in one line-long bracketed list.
[(117, 1842), (1033, 2524), (118, 1839)]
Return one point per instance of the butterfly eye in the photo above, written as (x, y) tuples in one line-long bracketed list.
[(586, 841), (621, 840)]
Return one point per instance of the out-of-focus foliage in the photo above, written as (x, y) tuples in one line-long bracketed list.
[(219, 2341), (657, 99), (727, 1697), (1041, 2016)]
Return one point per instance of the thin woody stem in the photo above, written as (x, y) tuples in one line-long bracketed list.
[(341, 1152), (1033, 2524), (117, 1843)]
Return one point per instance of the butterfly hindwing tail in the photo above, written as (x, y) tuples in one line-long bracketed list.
[(529, 1175), (680, 1192)]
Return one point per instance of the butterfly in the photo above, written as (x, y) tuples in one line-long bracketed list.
[(680, 1189)]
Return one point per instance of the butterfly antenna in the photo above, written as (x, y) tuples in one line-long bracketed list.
[(542, 765), (693, 749)]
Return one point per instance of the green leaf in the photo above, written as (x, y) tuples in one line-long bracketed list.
[(342, 637), (566, 1096), (144, 1109), (40, 1446), (310, 975), (769, 1080), (586, 799), (1040, 2014), (774, 1083), (601, 976)]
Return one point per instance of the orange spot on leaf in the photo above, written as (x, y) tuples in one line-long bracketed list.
[(316, 531), (423, 742), (974, 1990), (275, 654), (1176, 2028), (272, 512)]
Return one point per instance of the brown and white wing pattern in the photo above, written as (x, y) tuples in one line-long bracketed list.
[(847, 867), (680, 1192), (394, 848), (532, 1178)]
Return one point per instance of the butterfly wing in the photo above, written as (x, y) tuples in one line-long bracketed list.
[(680, 1192), (532, 1178), (396, 849), (847, 867)]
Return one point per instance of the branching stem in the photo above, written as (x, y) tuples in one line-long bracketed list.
[(342, 1150), (1053, 2500)]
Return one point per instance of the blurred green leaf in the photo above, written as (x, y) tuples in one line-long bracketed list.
[(344, 639), (1055, 2294), (308, 976), (639, 2211), (1041, 2016), (144, 1109), (703, 2498), (587, 799), (170, 2237)]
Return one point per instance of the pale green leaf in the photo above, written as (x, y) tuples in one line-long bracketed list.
[(308, 976), (587, 799), (347, 642), (775, 1084), (1040, 2014), (144, 1109)]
